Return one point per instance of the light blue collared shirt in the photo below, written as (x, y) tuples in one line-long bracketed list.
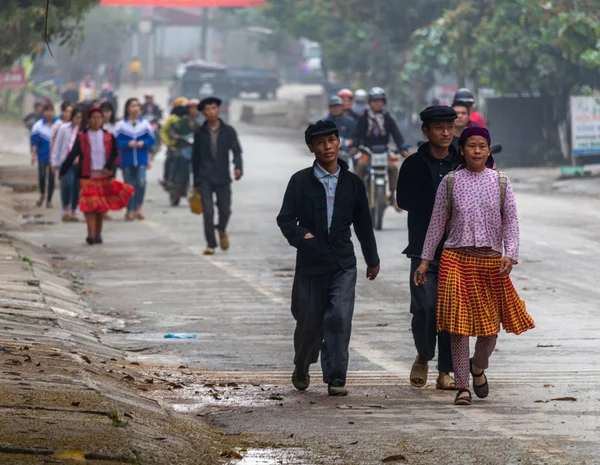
[(330, 182)]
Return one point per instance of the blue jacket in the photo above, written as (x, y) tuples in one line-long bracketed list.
[(346, 125), (126, 132), (41, 137)]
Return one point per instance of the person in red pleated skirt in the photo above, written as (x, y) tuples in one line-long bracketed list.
[(97, 153)]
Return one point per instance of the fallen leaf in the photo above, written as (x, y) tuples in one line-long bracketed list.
[(86, 359), (353, 443), (88, 292), (544, 346), (128, 378), (566, 399), (350, 422), (381, 325), (75, 404), (394, 458), (232, 385), (548, 385), (134, 363), (275, 397), (76, 455)]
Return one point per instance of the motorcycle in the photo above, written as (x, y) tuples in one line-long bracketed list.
[(345, 146), (178, 184), (155, 124), (376, 181)]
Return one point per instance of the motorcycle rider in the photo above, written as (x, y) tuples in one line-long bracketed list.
[(361, 103), (466, 96), (347, 97), (374, 128), (345, 124), (182, 132), (151, 108), (179, 110)]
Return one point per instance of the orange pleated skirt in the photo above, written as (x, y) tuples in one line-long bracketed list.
[(103, 194), (473, 299)]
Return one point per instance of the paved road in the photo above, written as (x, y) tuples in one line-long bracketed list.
[(152, 275)]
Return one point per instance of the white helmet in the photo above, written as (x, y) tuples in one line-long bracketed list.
[(361, 96)]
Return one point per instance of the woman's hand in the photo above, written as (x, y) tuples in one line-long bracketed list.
[(140, 144), (506, 266), (132, 144), (309, 236), (420, 276)]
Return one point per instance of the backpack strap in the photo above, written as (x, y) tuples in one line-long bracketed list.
[(449, 197), (503, 182)]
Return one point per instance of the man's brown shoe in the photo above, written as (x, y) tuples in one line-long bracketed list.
[(209, 251), (224, 240)]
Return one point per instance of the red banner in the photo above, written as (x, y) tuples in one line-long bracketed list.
[(14, 79), (183, 3)]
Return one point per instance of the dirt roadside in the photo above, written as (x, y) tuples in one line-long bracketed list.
[(65, 396)]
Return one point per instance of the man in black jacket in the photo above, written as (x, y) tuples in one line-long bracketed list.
[(213, 141), (420, 176), (320, 205)]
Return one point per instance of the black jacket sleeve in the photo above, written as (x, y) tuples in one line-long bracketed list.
[(75, 152), (406, 192), (392, 128), (287, 220), (236, 148), (112, 157), (196, 157), (363, 226), (362, 126)]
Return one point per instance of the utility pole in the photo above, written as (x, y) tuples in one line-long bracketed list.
[(205, 26)]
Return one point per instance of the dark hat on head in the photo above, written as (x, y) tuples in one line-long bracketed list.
[(93, 110), (320, 128), (209, 101), (474, 131), (438, 113)]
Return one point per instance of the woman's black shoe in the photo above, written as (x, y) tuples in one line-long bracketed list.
[(90, 240)]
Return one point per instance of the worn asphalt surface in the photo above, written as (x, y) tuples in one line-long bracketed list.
[(544, 405)]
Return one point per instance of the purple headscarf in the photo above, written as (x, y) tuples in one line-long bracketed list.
[(474, 131), (477, 131)]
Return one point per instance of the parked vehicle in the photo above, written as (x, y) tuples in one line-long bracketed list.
[(247, 79), (200, 79)]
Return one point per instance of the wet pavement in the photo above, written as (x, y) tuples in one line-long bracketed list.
[(544, 405)]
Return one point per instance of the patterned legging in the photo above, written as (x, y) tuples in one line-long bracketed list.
[(460, 356)]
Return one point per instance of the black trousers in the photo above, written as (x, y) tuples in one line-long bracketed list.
[(168, 164), (45, 173), (423, 306), (223, 194), (323, 305)]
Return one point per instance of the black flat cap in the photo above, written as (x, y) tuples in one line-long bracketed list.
[(320, 128), (438, 113), (209, 101)]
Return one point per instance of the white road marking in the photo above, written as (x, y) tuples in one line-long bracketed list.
[(575, 252)]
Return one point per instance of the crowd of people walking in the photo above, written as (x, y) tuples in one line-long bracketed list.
[(462, 219)]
